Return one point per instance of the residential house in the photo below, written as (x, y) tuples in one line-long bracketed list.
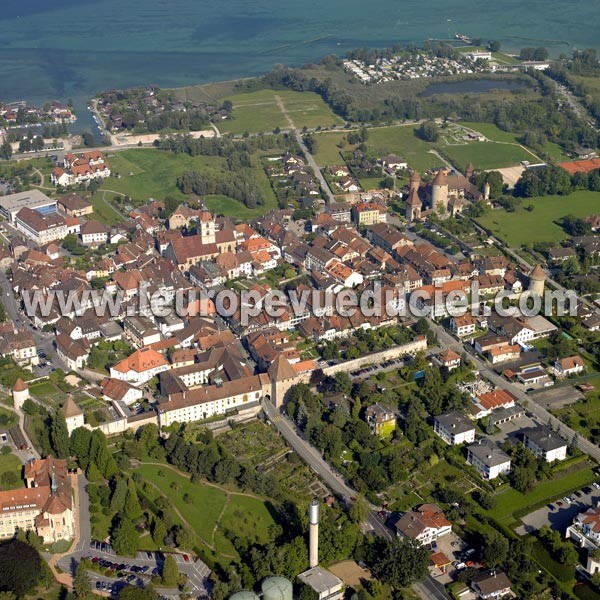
[(140, 367), (74, 353), (488, 459), (491, 584), (545, 443), (424, 525), (572, 365), (454, 428), (464, 325), (381, 420), (93, 233)]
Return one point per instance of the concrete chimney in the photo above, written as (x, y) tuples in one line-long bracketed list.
[(313, 519)]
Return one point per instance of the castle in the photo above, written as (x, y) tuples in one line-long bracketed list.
[(445, 194)]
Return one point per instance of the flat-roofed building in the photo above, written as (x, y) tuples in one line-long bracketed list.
[(34, 199)]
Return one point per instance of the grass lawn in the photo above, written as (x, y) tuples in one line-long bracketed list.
[(46, 390), (10, 463), (583, 415), (539, 225), (510, 501), (259, 111), (150, 173), (554, 151), (208, 502), (328, 153), (103, 210), (248, 517), (485, 155)]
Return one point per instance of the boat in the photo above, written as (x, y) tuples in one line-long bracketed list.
[(462, 37)]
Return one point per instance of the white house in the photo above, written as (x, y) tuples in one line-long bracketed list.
[(464, 325), (488, 459), (425, 524), (571, 365), (140, 367), (544, 443), (454, 428)]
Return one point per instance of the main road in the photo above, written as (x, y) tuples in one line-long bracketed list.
[(542, 415), (428, 588)]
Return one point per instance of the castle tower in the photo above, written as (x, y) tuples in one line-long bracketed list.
[(439, 191), (413, 205), (207, 228), (20, 393), (469, 171), (73, 415), (415, 181), (313, 540), (486, 191), (537, 280), (283, 377)]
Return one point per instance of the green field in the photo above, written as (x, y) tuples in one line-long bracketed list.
[(212, 510), (539, 225), (554, 151), (486, 155), (150, 173), (254, 112), (511, 501), (46, 390), (10, 463)]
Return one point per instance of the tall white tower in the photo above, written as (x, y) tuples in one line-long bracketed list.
[(313, 519)]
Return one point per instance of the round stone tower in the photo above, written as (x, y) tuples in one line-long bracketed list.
[(537, 280), (20, 393), (439, 191)]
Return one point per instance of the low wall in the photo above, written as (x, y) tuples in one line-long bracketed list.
[(419, 345)]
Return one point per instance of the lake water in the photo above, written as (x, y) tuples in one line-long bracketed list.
[(472, 86), (72, 48)]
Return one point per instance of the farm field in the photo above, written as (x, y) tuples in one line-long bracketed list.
[(258, 111), (46, 390), (150, 173), (539, 225)]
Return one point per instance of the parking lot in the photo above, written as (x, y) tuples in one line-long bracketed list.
[(396, 363), (511, 428), (453, 548), (138, 571), (560, 513)]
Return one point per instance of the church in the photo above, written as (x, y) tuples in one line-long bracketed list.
[(445, 194)]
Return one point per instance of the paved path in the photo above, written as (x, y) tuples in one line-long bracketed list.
[(309, 157), (428, 589)]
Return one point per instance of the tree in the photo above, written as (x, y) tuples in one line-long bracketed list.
[(125, 538), (81, 582), (494, 550), (119, 495), (80, 446), (129, 592), (132, 504), (494, 46), (401, 562), (358, 511), (20, 567), (159, 532), (568, 555), (59, 435), (428, 131), (170, 572), (6, 150)]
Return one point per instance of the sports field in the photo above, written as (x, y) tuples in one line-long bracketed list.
[(539, 225), (254, 112)]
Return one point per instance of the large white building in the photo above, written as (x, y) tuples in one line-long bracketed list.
[(208, 401), (34, 199), (140, 367), (545, 443), (41, 228)]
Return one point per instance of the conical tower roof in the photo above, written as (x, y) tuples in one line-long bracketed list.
[(415, 176), (470, 167), (281, 369), (413, 198), (20, 385), (537, 274), (440, 178), (70, 409)]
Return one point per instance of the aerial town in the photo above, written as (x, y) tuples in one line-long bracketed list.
[(253, 354)]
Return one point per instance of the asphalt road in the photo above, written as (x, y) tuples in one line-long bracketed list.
[(541, 414), (428, 588)]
